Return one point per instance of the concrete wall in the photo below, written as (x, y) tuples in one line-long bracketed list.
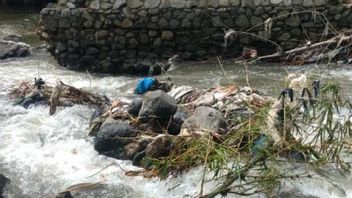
[(127, 35)]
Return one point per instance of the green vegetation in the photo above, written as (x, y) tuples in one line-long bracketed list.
[(246, 161)]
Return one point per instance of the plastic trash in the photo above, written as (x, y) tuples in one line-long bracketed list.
[(144, 85)]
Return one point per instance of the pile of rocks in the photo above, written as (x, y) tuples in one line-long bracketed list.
[(151, 126)]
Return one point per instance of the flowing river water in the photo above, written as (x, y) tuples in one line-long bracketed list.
[(43, 155)]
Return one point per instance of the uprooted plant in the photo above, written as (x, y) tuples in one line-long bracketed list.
[(312, 129)]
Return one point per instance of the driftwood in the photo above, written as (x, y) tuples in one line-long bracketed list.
[(59, 95), (308, 48), (54, 98)]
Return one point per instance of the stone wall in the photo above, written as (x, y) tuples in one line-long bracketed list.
[(129, 35)]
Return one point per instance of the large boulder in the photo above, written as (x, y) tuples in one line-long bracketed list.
[(157, 105), (204, 119), (112, 136), (10, 50)]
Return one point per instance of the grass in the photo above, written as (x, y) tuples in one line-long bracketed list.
[(239, 160)]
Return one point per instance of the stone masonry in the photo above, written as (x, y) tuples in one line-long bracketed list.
[(127, 36)]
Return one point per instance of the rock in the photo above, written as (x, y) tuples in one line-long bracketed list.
[(157, 104), (60, 47), (95, 4), (64, 23), (160, 146), (71, 5), (126, 23), (256, 21), (9, 50), (247, 3), (133, 148), (284, 37), (224, 3), (204, 119), (101, 34), (276, 1), (134, 3), (234, 2), (92, 50), (308, 3), (174, 127), (135, 106), (112, 136), (4, 183), (242, 21), (259, 11), (151, 3), (105, 6), (217, 22), (287, 2), (177, 3), (118, 4), (293, 21), (163, 22), (213, 3), (296, 32), (167, 35)]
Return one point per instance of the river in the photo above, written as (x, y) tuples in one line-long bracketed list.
[(43, 155)]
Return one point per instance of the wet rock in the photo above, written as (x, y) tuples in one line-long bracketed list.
[(34, 98), (174, 127), (4, 182), (157, 104), (133, 148), (135, 106), (112, 136), (204, 119), (9, 50), (160, 146)]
